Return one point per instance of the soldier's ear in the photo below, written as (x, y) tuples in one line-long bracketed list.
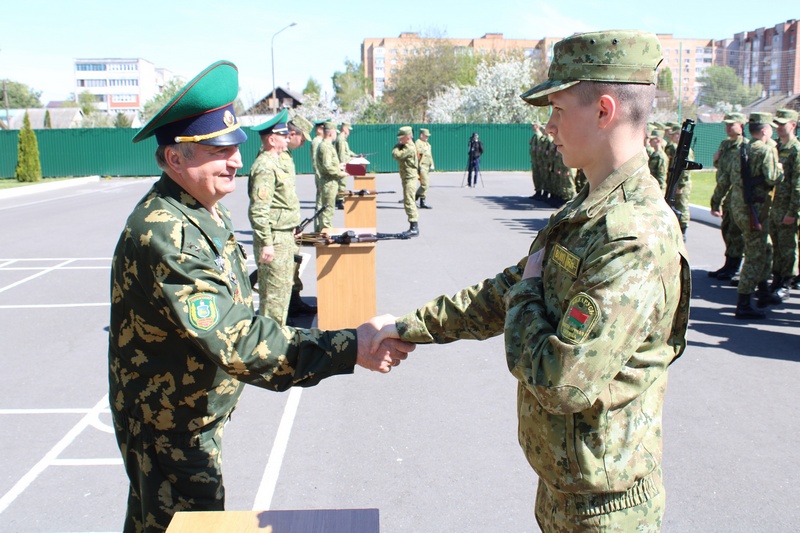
[(173, 158)]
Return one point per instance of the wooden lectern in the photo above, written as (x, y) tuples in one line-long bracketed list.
[(346, 295), (361, 211), (305, 521)]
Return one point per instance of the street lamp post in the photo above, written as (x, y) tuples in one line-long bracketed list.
[(272, 53)]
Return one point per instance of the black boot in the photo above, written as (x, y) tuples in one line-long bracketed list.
[(339, 204), (731, 270), (297, 307), (783, 288), (254, 278), (745, 310), (725, 267), (764, 297), (795, 282), (423, 205), (414, 229)]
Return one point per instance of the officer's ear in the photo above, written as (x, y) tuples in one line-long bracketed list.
[(173, 157)]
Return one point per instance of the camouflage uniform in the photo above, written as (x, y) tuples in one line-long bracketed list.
[(764, 168), (315, 142), (658, 163), (345, 155), (406, 156), (536, 162), (590, 342), (274, 213), (683, 192), (425, 155), (183, 340), (330, 176), (564, 179), (727, 172), (787, 203)]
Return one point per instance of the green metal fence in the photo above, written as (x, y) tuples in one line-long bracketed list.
[(110, 152)]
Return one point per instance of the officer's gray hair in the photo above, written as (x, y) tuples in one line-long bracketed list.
[(185, 149), (635, 99)]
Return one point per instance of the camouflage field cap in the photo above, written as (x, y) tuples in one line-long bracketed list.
[(734, 118), (424, 131), (610, 56), (347, 125), (405, 130), (760, 117), (655, 134), (782, 116), (329, 125), (304, 124), (276, 124), (202, 111)]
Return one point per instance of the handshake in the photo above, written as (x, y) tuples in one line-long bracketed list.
[(379, 344)]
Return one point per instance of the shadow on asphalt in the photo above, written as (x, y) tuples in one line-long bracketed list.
[(749, 338)]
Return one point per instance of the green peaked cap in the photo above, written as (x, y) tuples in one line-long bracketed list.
[(202, 108), (276, 123)]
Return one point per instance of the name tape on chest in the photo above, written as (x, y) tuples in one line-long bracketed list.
[(566, 260)]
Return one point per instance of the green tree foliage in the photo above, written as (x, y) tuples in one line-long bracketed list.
[(721, 84), (48, 124), (154, 105), (20, 96), (86, 102), (664, 81), (29, 168), (313, 88), (426, 72), (349, 86), (122, 121)]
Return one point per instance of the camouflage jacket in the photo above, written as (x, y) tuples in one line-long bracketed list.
[(727, 167), (406, 156), (589, 341), (658, 163), (274, 205), (315, 142), (766, 172), (343, 149), (328, 162), (424, 153), (787, 194), (183, 336)]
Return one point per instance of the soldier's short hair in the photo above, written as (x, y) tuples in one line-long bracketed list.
[(636, 100), (185, 149)]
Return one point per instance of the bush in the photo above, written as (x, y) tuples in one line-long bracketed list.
[(29, 168)]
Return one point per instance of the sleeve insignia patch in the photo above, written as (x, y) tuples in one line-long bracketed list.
[(577, 322), (203, 312), (566, 260), (262, 193)]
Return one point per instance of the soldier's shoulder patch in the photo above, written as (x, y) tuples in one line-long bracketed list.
[(203, 313), (579, 319), (261, 192)]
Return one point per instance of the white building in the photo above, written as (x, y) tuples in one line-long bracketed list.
[(119, 85)]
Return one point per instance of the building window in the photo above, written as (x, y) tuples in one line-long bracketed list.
[(90, 66), (91, 83), (379, 61), (379, 51), (123, 98)]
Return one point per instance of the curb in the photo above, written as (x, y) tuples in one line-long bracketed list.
[(698, 213), (43, 187)]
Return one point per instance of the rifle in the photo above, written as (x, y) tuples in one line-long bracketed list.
[(680, 163), (350, 237), (748, 182), (306, 221), (363, 192)]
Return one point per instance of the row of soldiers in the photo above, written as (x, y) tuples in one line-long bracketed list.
[(661, 144), (757, 194), (553, 182)]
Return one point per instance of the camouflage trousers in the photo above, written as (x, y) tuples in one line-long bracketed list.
[(784, 243), (757, 251), (731, 234), (682, 204), (275, 280), (169, 471), (639, 509), (327, 196), (565, 183), (409, 200), (318, 198), (424, 181)]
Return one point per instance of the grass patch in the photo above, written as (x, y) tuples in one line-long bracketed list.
[(10, 183), (703, 183)]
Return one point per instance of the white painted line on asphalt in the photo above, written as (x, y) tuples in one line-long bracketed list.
[(54, 411), (42, 273), (269, 480), (56, 259), (86, 462), (24, 482), (101, 267), (7, 262), (53, 306)]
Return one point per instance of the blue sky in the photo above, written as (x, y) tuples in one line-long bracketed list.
[(41, 38)]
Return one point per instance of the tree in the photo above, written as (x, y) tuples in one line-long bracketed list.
[(349, 86), (313, 88), (20, 96), (122, 121), (86, 102), (721, 84), (29, 168), (48, 124), (428, 71), (154, 105), (664, 81)]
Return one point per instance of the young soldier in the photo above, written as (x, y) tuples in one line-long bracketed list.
[(596, 313), (405, 153), (658, 162), (183, 338), (425, 155), (331, 176)]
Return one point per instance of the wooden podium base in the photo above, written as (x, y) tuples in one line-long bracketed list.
[(305, 521)]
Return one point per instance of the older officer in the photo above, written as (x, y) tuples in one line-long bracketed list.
[(597, 312), (183, 337)]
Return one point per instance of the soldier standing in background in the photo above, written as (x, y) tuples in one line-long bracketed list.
[(183, 338), (474, 152), (765, 174), (684, 188), (786, 207), (405, 153), (345, 155), (536, 164), (658, 162), (425, 155), (331, 176), (318, 136), (564, 179)]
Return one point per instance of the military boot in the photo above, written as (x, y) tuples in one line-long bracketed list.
[(783, 289), (745, 309), (413, 231), (764, 297), (423, 205), (297, 307), (730, 270), (795, 282)]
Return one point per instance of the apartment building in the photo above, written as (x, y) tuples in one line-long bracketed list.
[(119, 85), (688, 60)]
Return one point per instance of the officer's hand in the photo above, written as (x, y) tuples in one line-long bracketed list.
[(267, 255), (379, 346)]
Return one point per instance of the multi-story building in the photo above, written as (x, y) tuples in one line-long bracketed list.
[(381, 57), (119, 85), (688, 60)]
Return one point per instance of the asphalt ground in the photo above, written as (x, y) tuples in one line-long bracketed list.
[(433, 444)]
